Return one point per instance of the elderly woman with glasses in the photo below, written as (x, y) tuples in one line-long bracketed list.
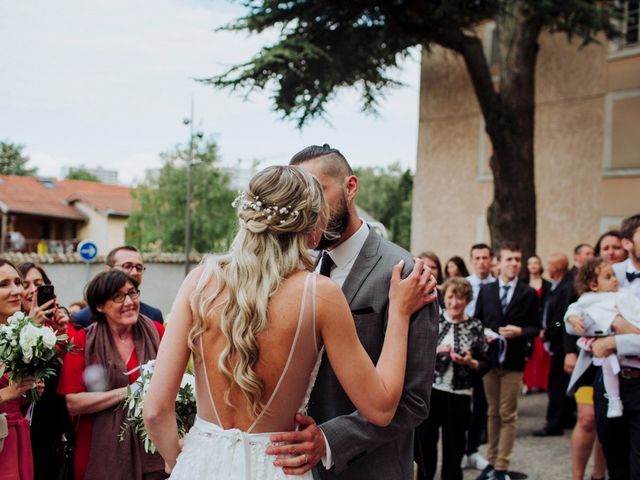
[(95, 379)]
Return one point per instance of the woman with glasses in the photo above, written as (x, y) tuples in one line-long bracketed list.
[(113, 347)]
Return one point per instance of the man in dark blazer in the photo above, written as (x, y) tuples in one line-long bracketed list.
[(509, 310), (560, 407), (360, 261)]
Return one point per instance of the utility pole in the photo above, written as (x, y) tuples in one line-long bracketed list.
[(187, 210)]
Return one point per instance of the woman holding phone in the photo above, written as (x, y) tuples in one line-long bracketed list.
[(50, 417), (15, 458)]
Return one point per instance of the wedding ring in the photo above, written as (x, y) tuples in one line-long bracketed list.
[(306, 459)]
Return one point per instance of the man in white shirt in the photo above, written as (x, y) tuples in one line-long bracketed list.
[(620, 437), (360, 261), (481, 259), (628, 272)]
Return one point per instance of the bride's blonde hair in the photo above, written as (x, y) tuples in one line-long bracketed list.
[(281, 207)]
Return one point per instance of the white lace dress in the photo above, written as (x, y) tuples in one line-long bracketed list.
[(210, 452)]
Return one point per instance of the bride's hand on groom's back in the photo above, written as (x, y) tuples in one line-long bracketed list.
[(302, 450)]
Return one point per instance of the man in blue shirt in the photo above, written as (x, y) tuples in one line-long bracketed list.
[(129, 260)]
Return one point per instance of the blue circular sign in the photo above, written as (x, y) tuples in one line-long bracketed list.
[(87, 250)]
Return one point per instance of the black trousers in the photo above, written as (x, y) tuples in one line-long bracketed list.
[(620, 437), (449, 412), (561, 408), (477, 433)]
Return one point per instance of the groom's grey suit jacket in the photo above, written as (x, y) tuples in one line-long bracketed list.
[(361, 450)]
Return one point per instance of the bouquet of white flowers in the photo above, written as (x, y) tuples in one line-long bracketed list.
[(134, 402), (30, 350)]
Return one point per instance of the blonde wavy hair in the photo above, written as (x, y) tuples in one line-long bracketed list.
[(267, 248)]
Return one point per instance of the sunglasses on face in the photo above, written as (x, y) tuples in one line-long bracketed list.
[(119, 297)]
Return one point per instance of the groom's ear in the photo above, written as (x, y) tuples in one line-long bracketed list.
[(351, 187)]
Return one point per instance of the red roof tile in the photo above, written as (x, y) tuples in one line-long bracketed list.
[(31, 196), (54, 198), (108, 199)]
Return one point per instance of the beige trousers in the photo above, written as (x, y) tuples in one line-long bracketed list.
[(502, 388)]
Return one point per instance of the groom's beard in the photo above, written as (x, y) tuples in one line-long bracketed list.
[(338, 223)]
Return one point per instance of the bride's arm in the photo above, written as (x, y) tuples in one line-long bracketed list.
[(159, 405), (375, 390)]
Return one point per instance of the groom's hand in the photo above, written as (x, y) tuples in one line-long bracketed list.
[(303, 449)]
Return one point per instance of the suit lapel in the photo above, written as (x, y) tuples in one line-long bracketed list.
[(517, 293), (368, 257), (496, 297)]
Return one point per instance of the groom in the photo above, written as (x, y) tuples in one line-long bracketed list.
[(360, 261)]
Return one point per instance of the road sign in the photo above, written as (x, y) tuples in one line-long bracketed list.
[(87, 250)]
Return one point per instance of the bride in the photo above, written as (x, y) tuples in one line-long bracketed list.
[(256, 321)]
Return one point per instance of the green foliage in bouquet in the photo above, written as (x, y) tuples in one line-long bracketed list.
[(30, 350), (134, 403)]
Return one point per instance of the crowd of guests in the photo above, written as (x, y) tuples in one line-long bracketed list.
[(499, 336), (575, 335), (113, 332)]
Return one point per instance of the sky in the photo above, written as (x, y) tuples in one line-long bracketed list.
[(108, 83)]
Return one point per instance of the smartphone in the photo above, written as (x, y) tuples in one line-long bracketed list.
[(45, 293)]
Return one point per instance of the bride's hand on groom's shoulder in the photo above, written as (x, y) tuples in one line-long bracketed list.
[(302, 450), (413, 292)]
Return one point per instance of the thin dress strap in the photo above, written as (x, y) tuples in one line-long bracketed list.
[(289, 358), (206, 377), (316, 367)]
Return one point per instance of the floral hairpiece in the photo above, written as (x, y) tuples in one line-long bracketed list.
[(245, 201)]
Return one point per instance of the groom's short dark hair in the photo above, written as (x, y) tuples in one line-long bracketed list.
[(333, 162)]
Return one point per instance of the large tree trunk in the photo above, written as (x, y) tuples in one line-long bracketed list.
[(508, 111)]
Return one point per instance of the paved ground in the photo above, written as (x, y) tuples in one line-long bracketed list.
[(538, 458)]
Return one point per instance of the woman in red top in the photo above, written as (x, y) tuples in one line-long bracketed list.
[(536, 372), (95, 379)]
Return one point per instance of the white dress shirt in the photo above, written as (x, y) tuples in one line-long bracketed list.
[(476, 282), (621, 269), (345, 254)]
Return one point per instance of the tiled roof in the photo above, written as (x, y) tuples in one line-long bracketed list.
[(108, 199), (31, 196), (54, 198)]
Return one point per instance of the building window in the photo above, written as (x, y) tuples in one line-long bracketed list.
[(621, 156), (630, 32)]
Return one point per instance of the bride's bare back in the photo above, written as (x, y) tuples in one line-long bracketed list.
[(288, 349)]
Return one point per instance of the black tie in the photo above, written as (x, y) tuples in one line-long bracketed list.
[(631, 276), (325, 264)]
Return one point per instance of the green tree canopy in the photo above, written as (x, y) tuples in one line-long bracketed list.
[(385, 193), (13, 161), (81, 173), (327, 45), (159, 222)]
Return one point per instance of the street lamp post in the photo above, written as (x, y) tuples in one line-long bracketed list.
[(187, 210)]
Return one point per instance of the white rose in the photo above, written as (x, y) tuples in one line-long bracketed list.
[(15, 318), (48, 337), (28, 340), (148, 367), (27, 353)]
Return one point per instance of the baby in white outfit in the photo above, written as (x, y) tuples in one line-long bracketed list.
[(601, 310)]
